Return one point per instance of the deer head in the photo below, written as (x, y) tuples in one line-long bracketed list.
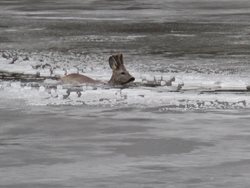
[(120, 75)]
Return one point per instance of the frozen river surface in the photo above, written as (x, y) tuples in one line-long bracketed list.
[(53, 136)]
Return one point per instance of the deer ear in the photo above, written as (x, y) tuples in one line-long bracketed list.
[(121, 58), (113, 63)]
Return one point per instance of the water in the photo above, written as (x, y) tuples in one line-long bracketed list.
[(137, 136), (123, 147)]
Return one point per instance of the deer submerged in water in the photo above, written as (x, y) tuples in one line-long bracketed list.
[(120, 75)]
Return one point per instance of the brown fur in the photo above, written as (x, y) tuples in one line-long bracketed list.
[(77, 79)]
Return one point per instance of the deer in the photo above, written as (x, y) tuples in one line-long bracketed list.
[(120, 75)]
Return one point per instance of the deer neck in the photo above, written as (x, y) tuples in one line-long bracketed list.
[(111, 81)]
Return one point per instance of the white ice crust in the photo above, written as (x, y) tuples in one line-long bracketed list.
[(194, 94)]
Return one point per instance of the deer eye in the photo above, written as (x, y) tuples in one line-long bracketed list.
[(123, 73)]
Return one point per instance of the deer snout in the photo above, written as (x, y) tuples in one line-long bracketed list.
[(131, 79)]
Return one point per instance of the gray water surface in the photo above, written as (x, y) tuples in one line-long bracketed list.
[(98, 147), (67, 146)]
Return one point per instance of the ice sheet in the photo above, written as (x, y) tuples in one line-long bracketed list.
[(187, 91)]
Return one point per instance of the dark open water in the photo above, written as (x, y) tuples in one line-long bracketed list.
[(123, 146)]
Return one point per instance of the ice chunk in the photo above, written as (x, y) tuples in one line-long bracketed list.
[(163, 83), (16, 85), (42, 89), (72, 70), (168, 78), (139, 80), (53, 93), (74, 95), (158, 78), (27, 87), (58, 72), (59, 87), (150, 78), (45, 72)]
